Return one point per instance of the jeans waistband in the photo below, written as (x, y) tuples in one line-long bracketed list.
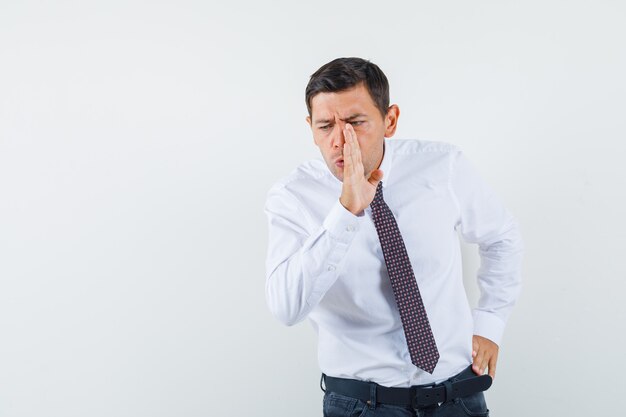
[(462, 384)]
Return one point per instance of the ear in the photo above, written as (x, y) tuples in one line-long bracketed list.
[(308, 120), (391, 120)]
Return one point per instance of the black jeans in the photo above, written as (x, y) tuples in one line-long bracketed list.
[(336, 405)]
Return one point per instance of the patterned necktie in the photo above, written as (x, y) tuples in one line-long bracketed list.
[(419, 336)]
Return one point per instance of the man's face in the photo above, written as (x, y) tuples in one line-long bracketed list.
[(329, 114)]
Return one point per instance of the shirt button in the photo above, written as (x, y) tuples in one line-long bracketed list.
[(331, 267), (349, 228)]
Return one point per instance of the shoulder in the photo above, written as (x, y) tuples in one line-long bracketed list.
[(308, 173), (416, 160), (418, 146)]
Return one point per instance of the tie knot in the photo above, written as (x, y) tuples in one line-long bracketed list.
[(378, 197)]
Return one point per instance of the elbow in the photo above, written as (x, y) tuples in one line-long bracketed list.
[(282, 307), (507, 243), (282, 314), (286, 319)]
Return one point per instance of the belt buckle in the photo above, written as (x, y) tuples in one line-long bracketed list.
[(418, 399)]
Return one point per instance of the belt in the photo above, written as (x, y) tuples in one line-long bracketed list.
[(418, 396)]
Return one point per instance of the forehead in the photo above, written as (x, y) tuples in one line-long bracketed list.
[(343, 103)]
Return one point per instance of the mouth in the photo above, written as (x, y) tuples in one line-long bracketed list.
[(339, 162)]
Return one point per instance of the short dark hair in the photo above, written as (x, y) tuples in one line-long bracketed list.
[(344, 73)]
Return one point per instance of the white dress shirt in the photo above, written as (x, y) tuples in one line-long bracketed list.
[(326, 264)]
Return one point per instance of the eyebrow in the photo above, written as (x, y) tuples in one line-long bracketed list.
[(351, 117)]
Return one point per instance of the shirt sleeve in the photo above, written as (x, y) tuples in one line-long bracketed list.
[(303, 258), (484, 220)]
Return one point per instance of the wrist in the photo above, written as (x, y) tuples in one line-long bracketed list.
[(351, 208)]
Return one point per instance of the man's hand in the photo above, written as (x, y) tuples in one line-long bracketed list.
[(357, 192), (485, 354)]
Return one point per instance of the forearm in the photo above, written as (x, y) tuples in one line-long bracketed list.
[(301, 267), (499, 279), (484, 220)]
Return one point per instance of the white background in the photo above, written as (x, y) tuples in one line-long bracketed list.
[(138, 141)]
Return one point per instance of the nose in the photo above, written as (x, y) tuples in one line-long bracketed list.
[(338, 139)]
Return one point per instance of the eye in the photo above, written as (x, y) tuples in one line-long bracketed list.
[(326, 127), (356, 123)]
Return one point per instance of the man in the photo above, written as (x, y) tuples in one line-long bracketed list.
[(364, 244)]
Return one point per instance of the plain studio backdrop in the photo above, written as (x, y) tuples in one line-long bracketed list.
[(138, 141)]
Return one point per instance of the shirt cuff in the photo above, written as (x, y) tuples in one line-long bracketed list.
[(341, 223), (488, 325)]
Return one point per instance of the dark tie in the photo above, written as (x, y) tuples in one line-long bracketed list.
[(419, 336)]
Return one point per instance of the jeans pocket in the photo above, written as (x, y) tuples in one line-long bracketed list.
[(474, 405), (337, 405)]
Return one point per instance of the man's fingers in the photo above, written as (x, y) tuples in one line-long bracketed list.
[(483, 364), (492, 366), (347, 153), (484, 355), (351, 160), (375, 177), (483, 359), (478, 360), (350, 137), (355, 144), (348, 159)]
